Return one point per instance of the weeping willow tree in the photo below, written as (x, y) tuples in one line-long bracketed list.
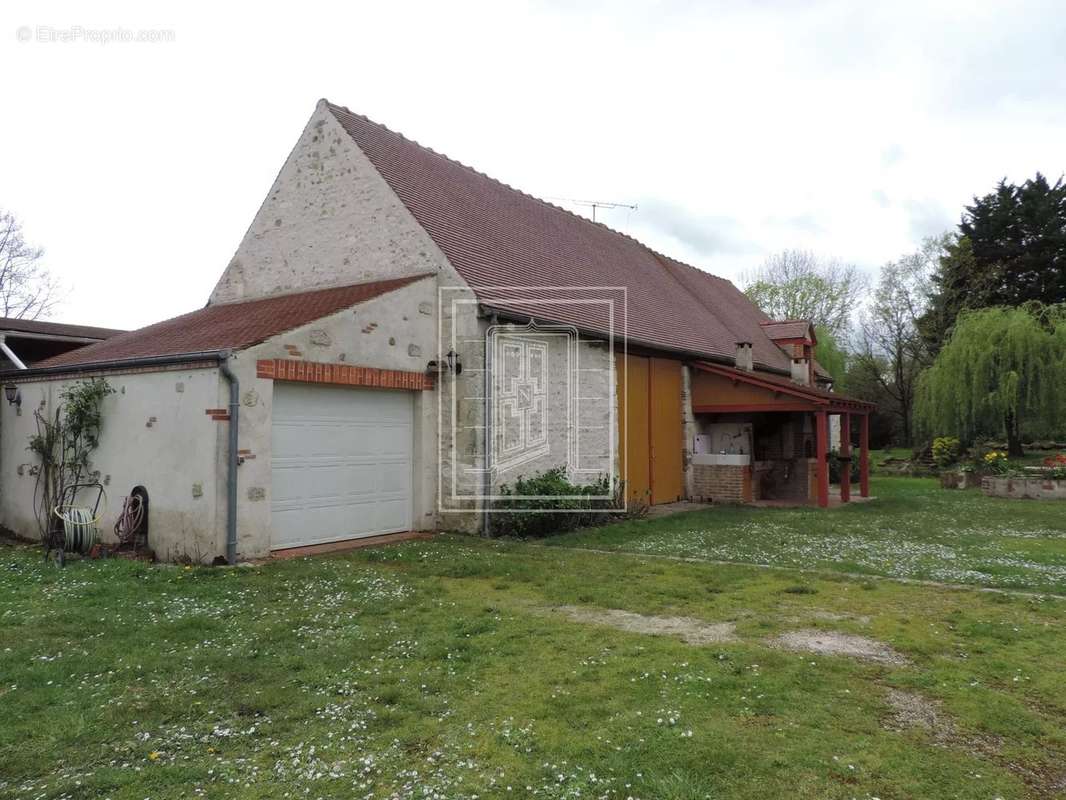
[(1002, 369)]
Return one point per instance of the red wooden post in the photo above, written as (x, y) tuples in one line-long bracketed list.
[(821, 437), (864, 455), (845, 458)]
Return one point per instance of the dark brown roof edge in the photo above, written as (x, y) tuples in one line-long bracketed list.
[(30, 326), (117, 364), (627, 340)]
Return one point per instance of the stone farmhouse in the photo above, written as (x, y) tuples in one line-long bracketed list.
[(398, 336)]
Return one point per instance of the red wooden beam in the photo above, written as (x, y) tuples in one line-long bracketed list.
[(845, 458), (755, 380), (821, 435), (804, 394), (864, 456), (750, 407), (735, 408)]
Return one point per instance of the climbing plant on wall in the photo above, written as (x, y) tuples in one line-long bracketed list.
[(64, 442)]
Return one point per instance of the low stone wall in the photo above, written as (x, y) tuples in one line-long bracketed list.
[(722, 483), (959, 480), (1028, 488)]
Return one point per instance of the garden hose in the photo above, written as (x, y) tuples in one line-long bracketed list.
[(80, 528)]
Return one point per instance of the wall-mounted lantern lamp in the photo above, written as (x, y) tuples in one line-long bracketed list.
[(452, 362), (455, 363), (13, 395)]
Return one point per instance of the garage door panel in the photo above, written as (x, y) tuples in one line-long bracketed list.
[(363, 480), (395, 478), (288, 483), (330, 440), (340, 480), (388, 440), (288, 440), (353, 438), (341, 463), (393, 514)]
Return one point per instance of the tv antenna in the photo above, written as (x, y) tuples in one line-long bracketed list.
[(594, 204)]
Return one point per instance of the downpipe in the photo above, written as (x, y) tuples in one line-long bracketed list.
[(486, 503), (233, 460)]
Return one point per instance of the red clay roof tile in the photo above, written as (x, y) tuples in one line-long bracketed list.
[(497, 236), (787, 329), (228, 326)]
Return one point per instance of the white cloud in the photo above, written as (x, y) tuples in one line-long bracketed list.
[(844, 128)]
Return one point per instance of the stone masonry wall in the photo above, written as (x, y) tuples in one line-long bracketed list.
[(1029, 488), (330, 220)]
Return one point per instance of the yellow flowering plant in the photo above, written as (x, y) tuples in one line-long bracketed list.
[(996, 462)]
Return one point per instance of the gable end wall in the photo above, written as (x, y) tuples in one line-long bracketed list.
[(330, 220)]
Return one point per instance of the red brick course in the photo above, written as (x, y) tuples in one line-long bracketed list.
[(287, 369), (722, 483)]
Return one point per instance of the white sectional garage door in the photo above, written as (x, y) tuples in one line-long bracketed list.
[(341, 463)]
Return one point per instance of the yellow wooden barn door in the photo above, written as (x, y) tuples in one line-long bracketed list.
[(665, 430), (633, 434)]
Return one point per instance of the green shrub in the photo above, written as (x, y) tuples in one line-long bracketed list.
[(834, 467), (547, 503), (946, 451)]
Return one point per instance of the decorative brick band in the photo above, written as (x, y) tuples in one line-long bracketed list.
[(285, 369)]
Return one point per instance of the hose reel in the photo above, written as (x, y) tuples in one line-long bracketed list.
[(81, 523)]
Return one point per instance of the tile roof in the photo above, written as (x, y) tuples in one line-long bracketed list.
[(31, 326), (227, 326), (496, 236), (787, 329), (728, 304)]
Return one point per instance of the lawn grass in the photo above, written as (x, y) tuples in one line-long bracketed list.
[(439, 669), (914, 529), (878, 457)]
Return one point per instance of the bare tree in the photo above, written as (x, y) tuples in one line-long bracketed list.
[(27, 288), (797, 284), (891, 350)]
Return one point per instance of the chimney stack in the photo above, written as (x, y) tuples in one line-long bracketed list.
[(802, 365), (744, 359)]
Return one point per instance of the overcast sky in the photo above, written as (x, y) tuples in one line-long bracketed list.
[(849, 128)]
